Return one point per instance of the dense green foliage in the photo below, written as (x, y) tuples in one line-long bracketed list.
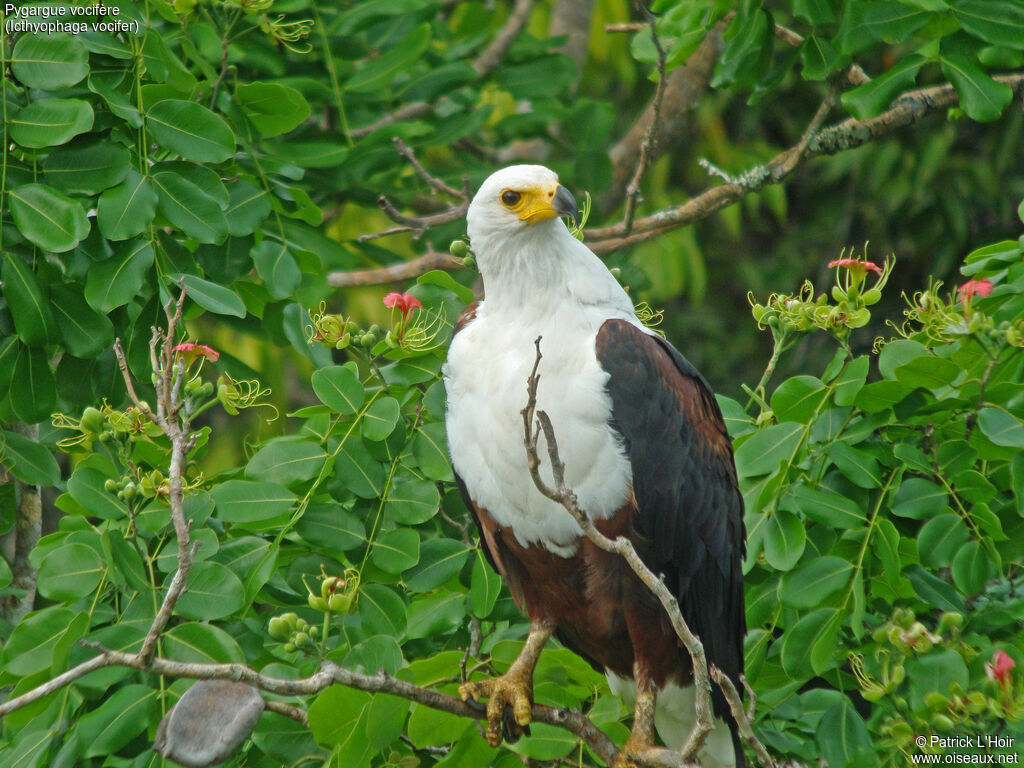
[(239, 149)]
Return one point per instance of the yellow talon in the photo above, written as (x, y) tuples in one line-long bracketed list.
[(506, 695)]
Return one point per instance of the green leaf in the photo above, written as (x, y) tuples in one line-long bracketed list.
[(195, 643), (873, 97), (546, 742), (382, 611), (818, 57), (27, 460), (339, 389), (933, 591), (797, 398), (784, 540), (412, 502), (798, 642), (864, 23), (997, 22), (214, 592), (859, 467), (1001, 427), (379, 72), (843, 738), (812, 582), (49, 62), (87, 166), (191, 130), (272, 107), (48, 218), (49, 122), (919, 499), (70, 572), (937, 671), (814, 12), (440, 560), (29, 308), (247, 208), (430, 727), (972, 567), (828, 508), (278, 268), (248, 501), (86, 487), (443, 279), (187, 206), (127, 209), (33, 644), (927, 371), (748, 48), (338, 713), (430, 448), (33, 390), (763, 451), (118, 720), (358, 471), (213, 297), (331, 527), (484, 587), (380, 418), (117, 280), (86, 333), (939, 538), (982, 98), (396, 551)]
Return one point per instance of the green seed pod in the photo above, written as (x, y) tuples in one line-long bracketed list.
[(278, 628), (316, 602), (92, 421), (339, 603), (458, 248), (469, 262)]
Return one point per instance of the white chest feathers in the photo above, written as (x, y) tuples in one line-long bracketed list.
[(486, 376)]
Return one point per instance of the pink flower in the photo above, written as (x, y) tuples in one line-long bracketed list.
[(973, 288), (999, 668), (191, 352), (856, 265), (403, 301)]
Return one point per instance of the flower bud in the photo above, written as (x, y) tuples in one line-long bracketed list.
[(92, 421), (458, 248), (110, 486), (317, 603), (278, 628)]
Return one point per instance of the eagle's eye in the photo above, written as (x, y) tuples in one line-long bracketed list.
[(510, 197)]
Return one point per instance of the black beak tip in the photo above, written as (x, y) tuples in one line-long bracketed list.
[(565, 204)]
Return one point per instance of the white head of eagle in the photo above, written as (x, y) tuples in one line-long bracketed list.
[(645, 451)]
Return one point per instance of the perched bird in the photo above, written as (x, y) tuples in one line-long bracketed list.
[(645, 451)]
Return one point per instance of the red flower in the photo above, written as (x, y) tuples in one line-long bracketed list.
[(999, 669), (192, 351), (403, 301), (856, 264), (972, 288)]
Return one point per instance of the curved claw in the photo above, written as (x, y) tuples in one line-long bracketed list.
[(509, 705)]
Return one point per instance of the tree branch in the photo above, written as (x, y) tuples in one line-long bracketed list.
[(906, 110), (403, 270), (536, 422), (495, 52), (28, 529)]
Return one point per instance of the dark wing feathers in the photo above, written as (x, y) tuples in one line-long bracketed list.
[(689, 518)]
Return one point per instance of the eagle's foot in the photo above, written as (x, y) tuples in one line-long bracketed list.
[(509, 705)]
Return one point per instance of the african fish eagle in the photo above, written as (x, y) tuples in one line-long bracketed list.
[(645, 451)]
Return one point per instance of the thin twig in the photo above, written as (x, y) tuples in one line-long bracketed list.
[(295, 713), (624, 547), (741, 718), (621, 546), (436, 184), (651, 135)]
